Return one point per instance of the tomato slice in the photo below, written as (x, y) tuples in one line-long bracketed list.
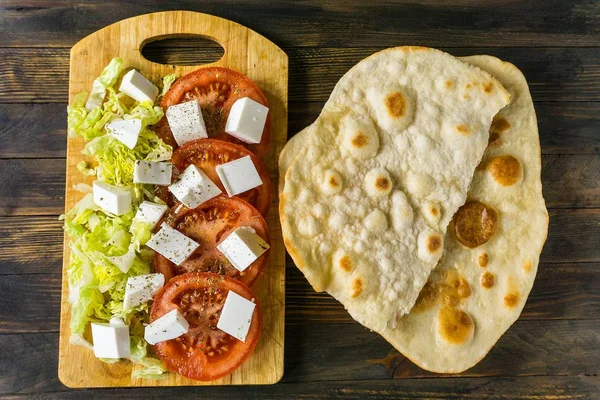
[(205, 352), (216, 89), (206, 154), (209, 224)]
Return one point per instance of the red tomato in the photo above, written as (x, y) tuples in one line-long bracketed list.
[(206, 154), (209, 224), (204, 353), (216, 89)]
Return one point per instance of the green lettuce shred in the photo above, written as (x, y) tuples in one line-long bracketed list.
[(102, 243)]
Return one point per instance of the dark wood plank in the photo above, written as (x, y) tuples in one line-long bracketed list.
[(572, 236), (30, 303), (33, 130), (561, 291), (41, 76), (424, 22), (555, 74), (39, 130), (349, 352), (571, 181), (509, 388), (31, 245), (32, 186), (36, 186)]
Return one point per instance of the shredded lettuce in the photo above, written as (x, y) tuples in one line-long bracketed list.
[(85, 169), (108, 77), (106, 249), (167, 82)]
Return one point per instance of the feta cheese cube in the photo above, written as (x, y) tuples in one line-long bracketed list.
[(125, 131), (172, 244), (150, 213), (142, 288), (136, 86), (242, 247), (125, 261), (169, 326), (239, 176), (247, 120), (111, 340), (96, 96), (151, 172), (111, 198), (193, 187), (186, 122), (236, 316)]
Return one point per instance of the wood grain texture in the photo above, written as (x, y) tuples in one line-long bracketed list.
[(246, 52), (40, 75), (32, 187), (334, 352), (567, 128), (504, 388), (36, 186), (329, 23), (562, 291)]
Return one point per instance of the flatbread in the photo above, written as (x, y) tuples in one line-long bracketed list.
[(388, 162), (475, 294), (497, 280)]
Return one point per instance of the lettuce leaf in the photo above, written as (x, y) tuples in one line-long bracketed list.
[(108, 77), (167, 82), (106, 249)]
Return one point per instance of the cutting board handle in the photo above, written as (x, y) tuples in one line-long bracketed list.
[(180, 24), (244, 49), (222, 43)]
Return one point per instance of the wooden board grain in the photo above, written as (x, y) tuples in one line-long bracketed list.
[(554, 74), (265, 63)]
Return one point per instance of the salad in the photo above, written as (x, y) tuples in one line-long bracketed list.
[(168, 240)]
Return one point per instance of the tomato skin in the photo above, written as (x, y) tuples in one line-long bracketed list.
[(206, 154), (217, 89), (194, 361), (208, 258)]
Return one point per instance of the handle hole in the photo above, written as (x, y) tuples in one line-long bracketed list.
[(182, 50)]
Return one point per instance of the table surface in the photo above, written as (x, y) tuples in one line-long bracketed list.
[(552, 351)]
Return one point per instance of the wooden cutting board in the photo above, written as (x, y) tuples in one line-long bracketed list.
[(246, 52)]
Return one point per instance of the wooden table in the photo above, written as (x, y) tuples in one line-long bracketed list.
[(552, 351)]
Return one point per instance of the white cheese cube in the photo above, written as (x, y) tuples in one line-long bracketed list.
[(247, 120), (169, 326), (111, 198), (239, 176), (142, 288), (111, 340), (193, 187), (150, 213), (136, 86), (96, 96), (125, 131), (172, 244), (236, 316), (242, 247), (152, 172), (186, 122), (125, 261)]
